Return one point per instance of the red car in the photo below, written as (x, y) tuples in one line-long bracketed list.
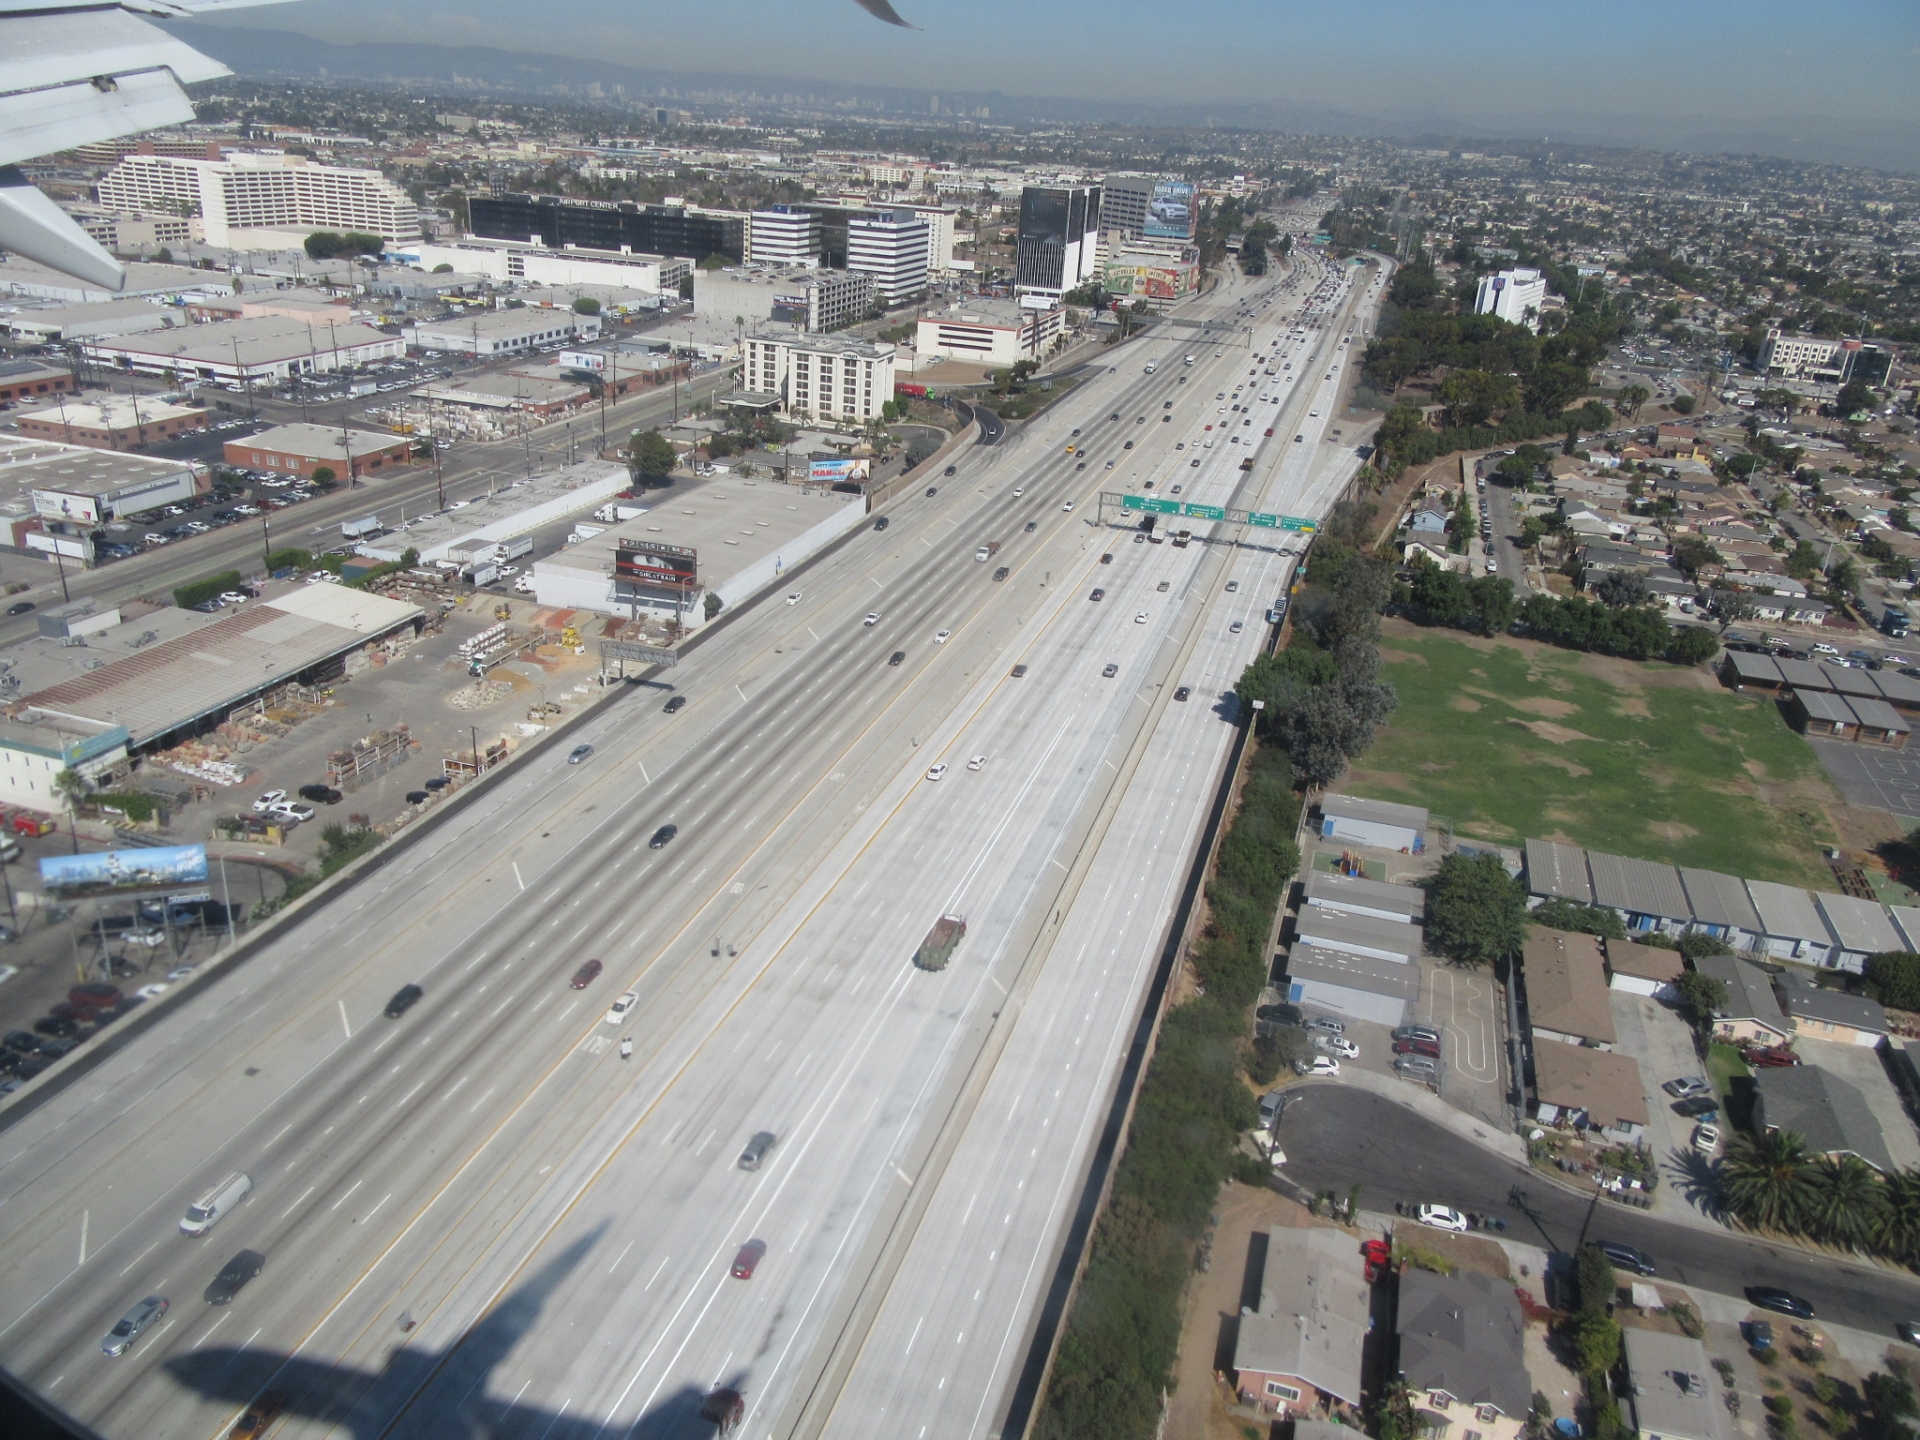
[(1416, 1047), (748, 1259), (1770, 1057), (585, 975), (1375, 1254)]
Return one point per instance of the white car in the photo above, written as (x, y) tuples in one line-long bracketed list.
[(976, 762), (288, 810), (233, 597), (1443, 1217), (1319, 1065), (1067, 506), (873, 618), (267, 801), (943, 637), (794, 598), (1337, 1045), (934, 772), (1018, 491), (1706, 1138), (1140, 617), (620, 1007)]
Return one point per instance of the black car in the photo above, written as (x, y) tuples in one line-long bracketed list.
[(882, 523), (234, 1275), (932, 490), (1770, 1297), (896, 657), (403, 1001), (1002, 573), (21, 1043), (1182, 693), (321, 794), (417, 797), (20, 607), (675, 705), (1626, 1257), (1032, 525), (58, 1026), (662, 836), (952, 468), (1698, 1107)]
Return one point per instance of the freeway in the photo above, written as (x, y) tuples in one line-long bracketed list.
[(1336, 1138), (469, 471), (479, 1217)]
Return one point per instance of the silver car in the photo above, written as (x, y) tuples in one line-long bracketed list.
[(140, 1318)]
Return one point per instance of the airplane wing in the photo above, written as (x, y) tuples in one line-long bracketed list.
[(884, 11), (73, 72)]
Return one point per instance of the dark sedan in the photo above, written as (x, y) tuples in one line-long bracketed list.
[(661, 836), (234, 1276), (403, 1000), (1785, 1302)]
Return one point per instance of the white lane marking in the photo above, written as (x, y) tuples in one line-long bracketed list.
[(618, 1258), (349, 1195), (364, 1219), (296, 1204), (656, 1274), (210, 1329), (343, 1020), (743, 695), (85, 1216), (141, 1256), (517, 875), (645, 779)]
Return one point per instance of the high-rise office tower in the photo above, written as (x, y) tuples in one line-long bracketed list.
[(1059, 230)]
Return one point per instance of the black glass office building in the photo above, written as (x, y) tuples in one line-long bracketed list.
[(1059, 226), (601, 225)]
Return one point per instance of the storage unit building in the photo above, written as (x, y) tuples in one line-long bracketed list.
[(1357, 895), (1722, 907), (1791, 928), (1378, 823), (1558, 872), (1358, 934), (1354, 985)]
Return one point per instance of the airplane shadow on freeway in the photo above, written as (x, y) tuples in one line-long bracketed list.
[(390, 1402)]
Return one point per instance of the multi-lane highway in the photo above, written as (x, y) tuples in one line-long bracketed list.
[(480, 1217)]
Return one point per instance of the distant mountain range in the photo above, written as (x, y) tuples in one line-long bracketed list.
[(479, 70)]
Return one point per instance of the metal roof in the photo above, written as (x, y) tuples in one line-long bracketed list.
[(1638, 886), (1875, 714), (1906, 919), (1787, 912), (1858, 924), (1337, 930), (1356, 972), (1755, 667), (1820, 705), (1558, 871), (1337, 891), (1901, 689), (1805, 674), (1720, 899), (1379, 812)]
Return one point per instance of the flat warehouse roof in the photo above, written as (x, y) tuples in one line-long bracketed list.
[(1804, 673), (1335, 890), (1356, 972), (1821, 705), (1755, 667), (1638, 886), (1788, 912), (1858, 924), (1558, 871), (176, 682)]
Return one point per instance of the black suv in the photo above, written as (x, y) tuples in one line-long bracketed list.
[(403, 1000), (675, 705), (234, 1275), (1626, 1257)]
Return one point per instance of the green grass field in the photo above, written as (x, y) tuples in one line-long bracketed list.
[(1511, 740)]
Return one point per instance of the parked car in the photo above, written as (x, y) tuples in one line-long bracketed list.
[(321, 794), (1698, 1107), (267, 801), (1319, 1065), (1625, 1257), (1428, 1048), (1326, 1024), (1757, 1333), (1443, 1217), (1417, 1032), (1785, 1302), (1686, 1086), (1337, 1045)]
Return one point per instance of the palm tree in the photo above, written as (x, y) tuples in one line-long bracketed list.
[(1767, 1181), (1849, 1199), (1898, 1232)]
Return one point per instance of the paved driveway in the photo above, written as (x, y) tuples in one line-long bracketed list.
[(1663, 1044), (1465, 1005), (1872, 778)]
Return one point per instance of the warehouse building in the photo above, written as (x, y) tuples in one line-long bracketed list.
[(1383, 991), (302, 449), (90, 320), (24, 380), (113, 422), (243, 352), (55, 496), (1378, 823), (515, 510), (503, 332), (1357, 895), (510, 262), (1365, 935)]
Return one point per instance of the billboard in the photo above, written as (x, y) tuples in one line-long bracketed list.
[(64, 505), (1170, 211), (647, 562), (108, 872), (832, 470)]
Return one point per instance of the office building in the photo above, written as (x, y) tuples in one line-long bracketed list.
[(1123, 203), (262, 201), (814, 300), (507, 260), (558, 223), (1833, 362), (891, 246), (821, 377), (990, 332), (939, 235), (1516, 296), (1059, 232), (503, 332), (786, 235)]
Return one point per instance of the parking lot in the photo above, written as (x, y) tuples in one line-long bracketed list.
[(1872, 778), (1465, 1006)]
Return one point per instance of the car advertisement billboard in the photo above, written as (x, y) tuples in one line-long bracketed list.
[(647, 562), (108, 872), (1170, 211), (832, 470)]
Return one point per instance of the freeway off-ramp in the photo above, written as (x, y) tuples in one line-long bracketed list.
[(479, 1217)]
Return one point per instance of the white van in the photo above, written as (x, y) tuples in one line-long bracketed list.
[(205, 1212)]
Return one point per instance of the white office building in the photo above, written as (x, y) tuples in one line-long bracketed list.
[(786, 235), (262, 201), (939, 235), (820, 377), (891, 246), (816, 300), (989, 332), (508, 261), (1516, 296), (503, 332)]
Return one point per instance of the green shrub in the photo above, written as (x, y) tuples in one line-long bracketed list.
[(198, 592), (130, 803)]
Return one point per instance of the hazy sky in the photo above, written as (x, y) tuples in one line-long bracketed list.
[(1479, 59)]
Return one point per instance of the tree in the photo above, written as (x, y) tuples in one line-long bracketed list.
[(586, 305), (1621, 588), (1594, 1282), (1692, 645), (1682, 404), (1847, 1201), (1472, 397), (1767, 1180), (1899, 1232), (1893, 978), (1854, 397), (1476, 912), (1691, 555), (1552, 387), (1803, 563), (651, 457), (1601, 920), (1631, 398), (1702, 997), (71, 785)]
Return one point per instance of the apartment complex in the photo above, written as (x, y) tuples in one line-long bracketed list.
[(822, 377), (261, 200)]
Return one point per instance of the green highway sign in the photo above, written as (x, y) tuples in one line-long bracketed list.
[(1294, 522), (1204, 512), (1133, 502), (1265, 522)]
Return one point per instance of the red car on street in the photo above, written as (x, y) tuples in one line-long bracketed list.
[(585, 975), (749, 1258)]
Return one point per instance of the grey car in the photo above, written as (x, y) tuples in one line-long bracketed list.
[(133, 1324), (756, 1150), (1327, 1025)]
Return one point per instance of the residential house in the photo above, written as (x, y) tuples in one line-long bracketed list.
[(1673, 1387), (1462, 1355), (1791, 928), (1752, 1013), (1590, 1090), (1435, 552), (1431, 518), (1565, 974), (1300, 1350), (1643, 969), (1383, 991), (1818, 1013), (1357, 895), (1829, 1114), (1378, 823)]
